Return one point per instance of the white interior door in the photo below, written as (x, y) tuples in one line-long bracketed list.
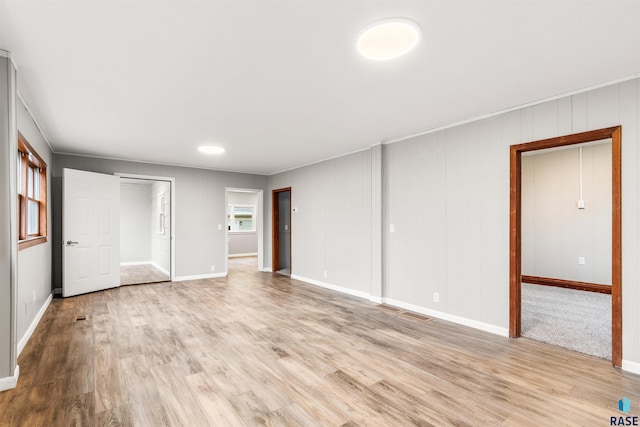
[(91, 232)]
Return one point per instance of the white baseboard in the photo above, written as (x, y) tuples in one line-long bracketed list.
[(27, 335), (267, 270), (8, 383), (135, 263), (161, 269), (415, 308), (200, 276), (449, 317), (348, 291), (629, 366), (243, 255)]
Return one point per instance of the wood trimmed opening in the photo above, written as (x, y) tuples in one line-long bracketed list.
[(515, 228), (275, 226)]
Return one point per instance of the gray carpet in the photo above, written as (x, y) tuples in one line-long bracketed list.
[(577, 320)]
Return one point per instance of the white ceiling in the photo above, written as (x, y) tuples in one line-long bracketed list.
[(280, 84)]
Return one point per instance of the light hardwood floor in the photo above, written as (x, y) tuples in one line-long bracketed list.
[(143, 273), (262, 349)]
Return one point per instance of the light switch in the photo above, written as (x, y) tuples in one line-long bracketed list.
[(219, 226), (392, 228), (286, 227)]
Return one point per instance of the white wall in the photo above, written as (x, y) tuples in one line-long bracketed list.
[(160, 243), (199, 208), (135, 219), (245, 242), (554, 231)]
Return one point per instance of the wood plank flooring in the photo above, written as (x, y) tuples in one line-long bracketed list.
[(262, 349), (143, 273)]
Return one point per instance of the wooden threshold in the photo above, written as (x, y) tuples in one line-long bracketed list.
[(569, 284)]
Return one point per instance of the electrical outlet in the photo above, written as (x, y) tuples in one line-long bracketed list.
[(213, 268), (325, 274), (436, 297), (392, 228), (581, 260), (219, 226)]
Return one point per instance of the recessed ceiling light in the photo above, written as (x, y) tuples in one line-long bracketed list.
[(211, 149), (388, 38)]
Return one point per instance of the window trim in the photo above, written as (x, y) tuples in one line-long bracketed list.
[(30, 158), (230, 207)]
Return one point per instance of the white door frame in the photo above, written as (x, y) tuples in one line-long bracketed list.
[(172, 182), (259, 224)]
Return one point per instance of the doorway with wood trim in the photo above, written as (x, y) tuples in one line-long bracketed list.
[(281, 231), (516, 277)]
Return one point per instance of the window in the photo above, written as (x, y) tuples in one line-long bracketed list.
[(32, 196), (241, 218)]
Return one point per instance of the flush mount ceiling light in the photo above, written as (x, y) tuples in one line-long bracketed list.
[(388, 38), (211, 149)]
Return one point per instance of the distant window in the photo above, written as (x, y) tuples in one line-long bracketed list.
[(32, 196), (241, 218)]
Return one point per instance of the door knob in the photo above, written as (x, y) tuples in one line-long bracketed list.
[(69, 243)]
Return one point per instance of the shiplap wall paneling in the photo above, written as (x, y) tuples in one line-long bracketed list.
[(348, 222), (415, 199), (630, 120), (6, 238), (554, 231), (331, 231)]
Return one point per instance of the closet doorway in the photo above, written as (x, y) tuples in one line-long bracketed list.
[(146, 229)]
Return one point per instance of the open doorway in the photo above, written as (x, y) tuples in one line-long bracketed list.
[(516, 232), (566, 247), (145, 230), (281, 231), (244, 236)]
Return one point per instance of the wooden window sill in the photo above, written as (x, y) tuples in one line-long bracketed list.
[(24, 244)]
